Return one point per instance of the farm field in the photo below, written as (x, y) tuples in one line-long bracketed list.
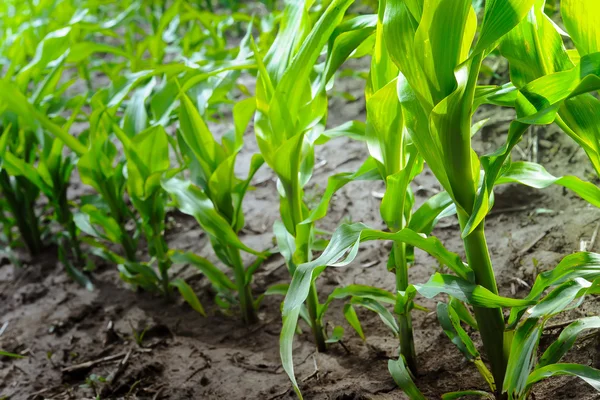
[(176, 176)]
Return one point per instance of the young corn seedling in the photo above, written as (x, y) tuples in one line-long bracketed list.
[(214, 195), (553, 292), (438, 93), (21, 194), (291, 113), (51, 176), (394, 159), (538, 57)]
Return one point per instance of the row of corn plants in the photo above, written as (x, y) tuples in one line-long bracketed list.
[(147, 148)]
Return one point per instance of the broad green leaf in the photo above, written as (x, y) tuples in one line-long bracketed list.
[(10, 355), (193, 201), (589, 375), (198, 137), (214, 274), (345, 39), (450, 323), (558, 299), (430, 212), (534, 175), (500, 17), (578, 265), (19, 104), (367, 171), (566, 340), (403, 379), (352, 318), (135, 118), (467, 292), (343, 248), (362, 291), (188, 294), (521, 359), (462, 394), (286, 342), (386, 316), (336, 335), (582, 20)]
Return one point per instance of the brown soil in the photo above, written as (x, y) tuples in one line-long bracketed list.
[(58, 324)]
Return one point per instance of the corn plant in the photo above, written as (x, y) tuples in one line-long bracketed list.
[(437, 89), (21, 195), (214, 195), (290, 117), (549, 60)]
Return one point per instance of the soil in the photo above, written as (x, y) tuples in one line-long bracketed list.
[(182, 355)]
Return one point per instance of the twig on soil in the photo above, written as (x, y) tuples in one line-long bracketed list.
[(254, 368), (590, 246), (4, 326), (559, 325), (570, 160), (114, 375), (90, 364), (534, 145), (207, 364), (508, 210), (531, 245), (279, 395), (158, 393), (315, 372)]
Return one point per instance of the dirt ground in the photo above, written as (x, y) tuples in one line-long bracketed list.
[(58, 324)]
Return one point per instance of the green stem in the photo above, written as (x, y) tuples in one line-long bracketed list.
[(302, 234), (407, 343), (312, 303), (490, 320), (163, 262), (23, 212), (244, 291)]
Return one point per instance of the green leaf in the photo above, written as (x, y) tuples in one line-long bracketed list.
[(560, 298), (214, 274), (193, 201), (336, 335), (430, 212), (386, 316), (451, 325), (343, 248), (188, 294), (345, 39), (401, 376), (582, 20), (286, 342), (566, 340), (521, 357), (500, 17), (352, 318), (367, 171), (19, 104), (579, 265), (467, 292), (11, 355), (463, 393), (534, 175), (588, 374), (198, 137)]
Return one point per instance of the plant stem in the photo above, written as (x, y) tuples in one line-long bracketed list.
[(23, 213), (244, 292), (302, 233), (490, 320), (407, 343), (312, 303)]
